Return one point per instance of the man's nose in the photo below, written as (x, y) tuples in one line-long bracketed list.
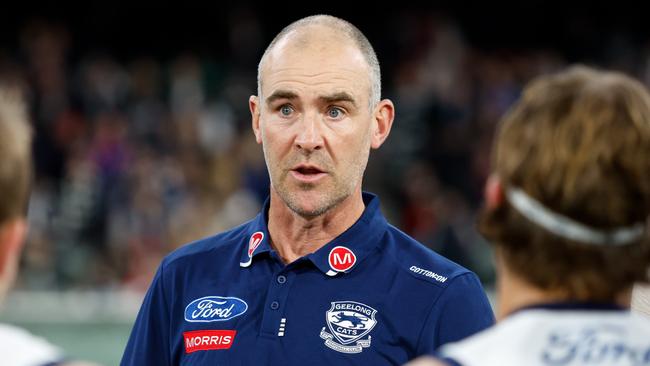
[(309, 136)]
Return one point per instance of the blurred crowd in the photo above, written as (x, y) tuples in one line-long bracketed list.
[(135, 157)]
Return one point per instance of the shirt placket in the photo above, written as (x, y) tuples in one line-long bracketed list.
[(274, 321)]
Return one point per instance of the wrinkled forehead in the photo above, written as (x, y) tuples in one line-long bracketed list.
[(316, 62)]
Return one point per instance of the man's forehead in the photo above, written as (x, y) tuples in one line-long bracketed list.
[(306, 83), (330, 68), (315, 58)]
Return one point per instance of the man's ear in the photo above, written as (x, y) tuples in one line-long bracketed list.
[(493, 193), (253, 104), (383, 117)]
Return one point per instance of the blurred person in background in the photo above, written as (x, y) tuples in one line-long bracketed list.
[(17, 346), (567, 209), (318, 277)]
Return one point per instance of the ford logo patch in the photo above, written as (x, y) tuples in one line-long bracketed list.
[(214, 309)]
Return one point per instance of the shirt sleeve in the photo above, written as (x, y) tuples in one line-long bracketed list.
[(461, 310), (149, 340)]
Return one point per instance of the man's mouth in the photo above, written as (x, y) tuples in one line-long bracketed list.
[(302, 169), (307, 173)]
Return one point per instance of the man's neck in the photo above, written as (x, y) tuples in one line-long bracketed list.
[(514, 293), (294, 236)]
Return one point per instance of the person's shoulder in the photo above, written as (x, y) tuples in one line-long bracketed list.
[(421, 262), (637, 326), (221, 243), (20, 347), (514, 337), (640, 319), (508, 339)]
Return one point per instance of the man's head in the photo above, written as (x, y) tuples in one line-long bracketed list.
[(15, 175), (317, 113), (571, 169), (331, 26)]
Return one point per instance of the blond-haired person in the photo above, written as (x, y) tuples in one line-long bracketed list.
[(17, 346)]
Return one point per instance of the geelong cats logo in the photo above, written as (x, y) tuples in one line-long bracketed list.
[(348, 323)]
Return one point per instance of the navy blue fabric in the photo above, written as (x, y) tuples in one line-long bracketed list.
[(420, 301)]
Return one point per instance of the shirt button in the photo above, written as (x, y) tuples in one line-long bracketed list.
[(282, 279), (275, 305)]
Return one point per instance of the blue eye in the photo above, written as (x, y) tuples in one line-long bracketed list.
[(334, 113), (286, 110)]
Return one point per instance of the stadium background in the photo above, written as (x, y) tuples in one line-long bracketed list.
[(143, 138)]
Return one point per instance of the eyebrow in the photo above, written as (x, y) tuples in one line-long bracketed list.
[(330, 98), (338, 97), (281, 94)]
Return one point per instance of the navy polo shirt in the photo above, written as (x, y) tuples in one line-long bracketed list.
[(371, 296)]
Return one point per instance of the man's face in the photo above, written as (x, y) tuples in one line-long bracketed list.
[(315, 122)]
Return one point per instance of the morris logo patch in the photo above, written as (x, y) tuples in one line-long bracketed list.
[(348, 322), (207, 340), (214, 309)]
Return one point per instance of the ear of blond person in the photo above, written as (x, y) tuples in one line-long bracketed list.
[(12, 234)]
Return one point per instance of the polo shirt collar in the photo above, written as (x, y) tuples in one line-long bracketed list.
[(342, 254)]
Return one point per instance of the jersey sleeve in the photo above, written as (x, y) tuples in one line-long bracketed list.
[(461, 310), (148, 344)]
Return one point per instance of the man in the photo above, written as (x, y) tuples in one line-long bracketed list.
[(17, 346), (567, 211), (318, 277)]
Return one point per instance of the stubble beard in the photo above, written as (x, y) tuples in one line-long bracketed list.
[(343, 187), (323, 200), (326, 203), (327, 198)]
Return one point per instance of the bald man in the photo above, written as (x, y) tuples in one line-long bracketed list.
[(318, 277)]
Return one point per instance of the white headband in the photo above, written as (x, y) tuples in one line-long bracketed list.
[(567, 228)]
